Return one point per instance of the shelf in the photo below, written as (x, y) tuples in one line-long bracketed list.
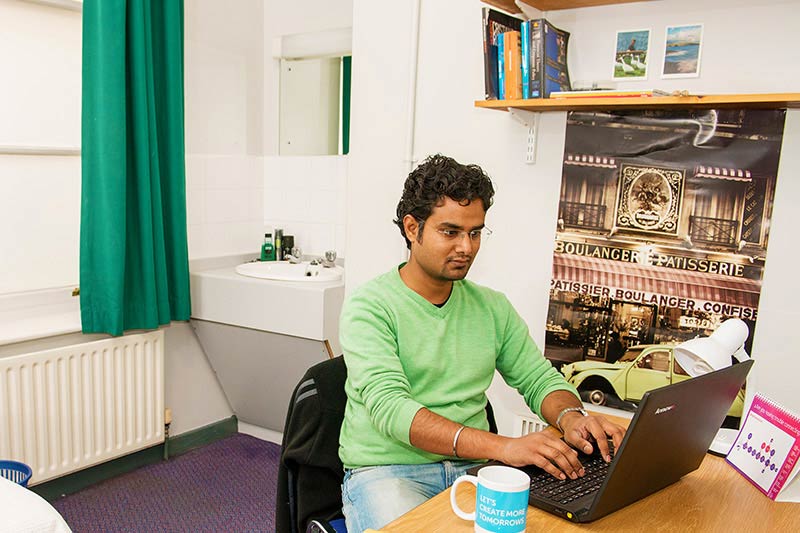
[(552, 5), (767, 100)]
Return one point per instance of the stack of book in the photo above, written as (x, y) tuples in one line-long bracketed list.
[(605, 93), (523, 59)]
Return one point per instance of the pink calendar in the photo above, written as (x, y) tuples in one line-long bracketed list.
[(767, 449)]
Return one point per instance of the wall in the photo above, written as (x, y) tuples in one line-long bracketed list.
[(303, 195), (517, 259), (224, 81)]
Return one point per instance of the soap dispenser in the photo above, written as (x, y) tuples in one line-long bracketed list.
[(267, 249)]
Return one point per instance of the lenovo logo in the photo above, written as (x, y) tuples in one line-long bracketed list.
[(661, 410)]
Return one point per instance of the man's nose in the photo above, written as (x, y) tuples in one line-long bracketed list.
[(464, 242)]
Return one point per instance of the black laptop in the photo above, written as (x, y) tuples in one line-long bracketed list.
[(667, 439)]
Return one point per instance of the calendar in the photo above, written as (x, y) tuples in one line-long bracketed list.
[(767, 449)]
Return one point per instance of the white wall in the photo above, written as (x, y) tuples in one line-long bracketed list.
[(237, 186), (303, 195), (517, 259), (224, 81)]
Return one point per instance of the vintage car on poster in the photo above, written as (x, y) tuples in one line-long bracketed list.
[(649, 199), (642, 368)]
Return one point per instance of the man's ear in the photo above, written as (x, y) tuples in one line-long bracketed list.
[(411, 227)]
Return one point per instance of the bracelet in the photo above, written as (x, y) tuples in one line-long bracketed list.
[(455, 440), (569, 410)]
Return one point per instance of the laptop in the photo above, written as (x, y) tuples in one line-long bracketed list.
[(668, 438)]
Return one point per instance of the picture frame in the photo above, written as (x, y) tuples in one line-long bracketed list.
[(631, 55), (683, 46)]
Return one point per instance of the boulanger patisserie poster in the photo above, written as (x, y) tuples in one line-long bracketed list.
[(663, 227)]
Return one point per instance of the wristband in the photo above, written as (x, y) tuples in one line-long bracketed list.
[(455, 440), (569, 410)]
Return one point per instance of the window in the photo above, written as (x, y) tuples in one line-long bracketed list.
[(40, 106)]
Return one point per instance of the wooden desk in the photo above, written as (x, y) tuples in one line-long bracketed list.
[(712, 498)]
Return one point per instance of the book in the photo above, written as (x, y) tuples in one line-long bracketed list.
[(767, 448), (495, 24), (525, 57), (548, 71), (605, 93), (501, 68), (511, 64)]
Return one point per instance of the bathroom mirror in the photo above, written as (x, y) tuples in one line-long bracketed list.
[(314, 93)]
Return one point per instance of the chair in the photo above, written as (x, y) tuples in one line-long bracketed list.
[(310, 473)]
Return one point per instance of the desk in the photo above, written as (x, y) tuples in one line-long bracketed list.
[(712, 498)]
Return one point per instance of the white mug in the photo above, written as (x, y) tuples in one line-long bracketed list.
[(501, 502)]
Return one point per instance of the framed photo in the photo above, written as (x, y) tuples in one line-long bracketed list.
[(631, 55), (682, 48)]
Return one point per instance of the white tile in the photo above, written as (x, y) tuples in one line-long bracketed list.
[(341, 207), (234, 238), (195, 206), (275, 205), (195, 237), (227, 205), (195, 172), (341, 240), (255, 204), (323, 207), (341, 173), (255, 172)]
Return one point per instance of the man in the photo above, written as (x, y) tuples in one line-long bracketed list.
[(421, 346)]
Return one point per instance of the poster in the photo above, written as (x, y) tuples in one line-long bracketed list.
[(631, 55), (682, 51), (663, 228)]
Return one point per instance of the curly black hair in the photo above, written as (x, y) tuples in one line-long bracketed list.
[(436, 177)]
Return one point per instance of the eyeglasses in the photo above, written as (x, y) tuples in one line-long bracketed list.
[(454, 234)]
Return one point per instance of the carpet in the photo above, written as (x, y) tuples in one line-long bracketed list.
[(228, 485)]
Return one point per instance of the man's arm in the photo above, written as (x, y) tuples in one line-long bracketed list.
[(435, 434)]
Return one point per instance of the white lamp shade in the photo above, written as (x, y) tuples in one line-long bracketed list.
[(702, 355)]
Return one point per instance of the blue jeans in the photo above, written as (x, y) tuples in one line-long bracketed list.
[(373, 496)]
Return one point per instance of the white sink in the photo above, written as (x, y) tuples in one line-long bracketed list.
[(286, 271)]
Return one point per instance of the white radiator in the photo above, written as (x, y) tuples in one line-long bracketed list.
[(528, 424), (69, 408)]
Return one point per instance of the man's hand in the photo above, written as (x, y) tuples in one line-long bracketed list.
[(546, 451), (581, 431)]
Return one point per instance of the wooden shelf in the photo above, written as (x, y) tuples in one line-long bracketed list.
[(766, 100), (552, 5)]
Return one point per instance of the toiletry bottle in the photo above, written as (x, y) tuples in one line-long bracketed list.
[(267, 249), (288, 244), (279, 244)]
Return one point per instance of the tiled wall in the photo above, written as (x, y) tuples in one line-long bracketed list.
[(231, 200), (305, 196), (224, 204)]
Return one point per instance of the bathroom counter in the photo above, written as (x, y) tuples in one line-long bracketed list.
[(261, 335), (302, 309)]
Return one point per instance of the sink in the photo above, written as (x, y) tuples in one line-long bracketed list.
[(286, 271)]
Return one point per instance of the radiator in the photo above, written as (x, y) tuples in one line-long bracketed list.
[(528, 424), (65, 409)]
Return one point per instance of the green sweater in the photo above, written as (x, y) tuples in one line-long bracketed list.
[(404, 353)]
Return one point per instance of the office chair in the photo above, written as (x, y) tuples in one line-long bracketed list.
[(310, 474)]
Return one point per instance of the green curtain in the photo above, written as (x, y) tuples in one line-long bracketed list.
[(134, 267)]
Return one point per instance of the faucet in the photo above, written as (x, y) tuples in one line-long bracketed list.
[(296, 256), (327, 261)]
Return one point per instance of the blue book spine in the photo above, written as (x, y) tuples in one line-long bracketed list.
[(525, 58), (501, 76)]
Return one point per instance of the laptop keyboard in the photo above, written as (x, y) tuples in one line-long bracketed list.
[(564, 491)]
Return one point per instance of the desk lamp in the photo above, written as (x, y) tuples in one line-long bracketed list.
[(705, 354)]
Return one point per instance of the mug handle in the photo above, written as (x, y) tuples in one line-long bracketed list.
[(454, 504)]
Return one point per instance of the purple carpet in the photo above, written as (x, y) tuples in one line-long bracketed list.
[(228, 485)]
